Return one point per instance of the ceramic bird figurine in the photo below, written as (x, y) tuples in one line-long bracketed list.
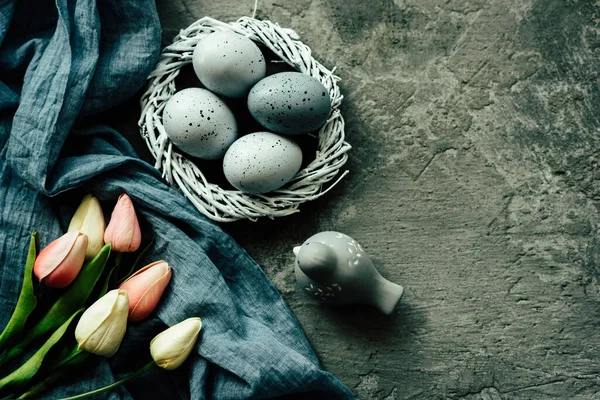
[(333, 268)]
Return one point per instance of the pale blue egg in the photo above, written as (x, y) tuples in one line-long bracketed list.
[(228, 63), (290, 103), (199, 123), (261, 162)]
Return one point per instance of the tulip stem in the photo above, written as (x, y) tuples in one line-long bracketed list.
[(118, 259), (73, 360), (139, 372)]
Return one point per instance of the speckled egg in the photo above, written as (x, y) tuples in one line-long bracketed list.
[(199, 123), (261, 162), (290, 103), (228, 63)]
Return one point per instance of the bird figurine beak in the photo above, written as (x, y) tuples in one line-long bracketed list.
[(296, 250)]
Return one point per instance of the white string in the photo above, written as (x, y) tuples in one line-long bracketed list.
[(255, 7)]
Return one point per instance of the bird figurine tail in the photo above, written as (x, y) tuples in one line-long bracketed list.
[(387, 295)]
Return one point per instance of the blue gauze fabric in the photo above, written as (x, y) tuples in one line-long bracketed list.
[(61, 63)]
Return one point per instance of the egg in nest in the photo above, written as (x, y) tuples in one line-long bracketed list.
[(199, 123), (261, 162), (228, 63)]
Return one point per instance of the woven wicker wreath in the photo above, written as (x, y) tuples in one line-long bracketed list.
[(225, 205)]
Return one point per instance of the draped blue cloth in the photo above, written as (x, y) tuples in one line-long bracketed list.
[(62, 63)]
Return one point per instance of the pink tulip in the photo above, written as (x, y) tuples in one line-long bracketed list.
[(58, 264), (145, 288), (123, 231)]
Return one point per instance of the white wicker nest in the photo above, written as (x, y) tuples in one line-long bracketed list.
[(229, 205)]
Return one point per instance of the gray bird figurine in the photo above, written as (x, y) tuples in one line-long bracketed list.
[(333, 268)]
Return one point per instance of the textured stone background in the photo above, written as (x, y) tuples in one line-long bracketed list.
[(474, 183)]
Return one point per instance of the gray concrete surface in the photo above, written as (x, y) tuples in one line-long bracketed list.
[(474, 183)]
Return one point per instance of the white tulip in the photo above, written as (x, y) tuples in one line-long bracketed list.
[(102, 326), (89, 219), (171, 347)]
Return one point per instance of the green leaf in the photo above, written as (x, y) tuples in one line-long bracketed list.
[(26, 302), (71, 300), (74, 297), (114, 385), (75, 357), (60, 370), (25, 372), (106, 282)]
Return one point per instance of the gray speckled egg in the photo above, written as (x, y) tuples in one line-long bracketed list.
[(261, 162), (290, 103), (228, 63), (199, 123)]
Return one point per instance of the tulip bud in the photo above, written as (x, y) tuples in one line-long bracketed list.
[(123, 231), (102, 326), (89, 219), (58, 264), (171, 347), (145, 288)]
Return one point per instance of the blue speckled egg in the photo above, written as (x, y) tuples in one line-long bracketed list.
[(290, 103), (261, 162), (199, 123), (228, 63)]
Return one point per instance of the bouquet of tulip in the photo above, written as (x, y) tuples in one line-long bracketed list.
[(77, 264)]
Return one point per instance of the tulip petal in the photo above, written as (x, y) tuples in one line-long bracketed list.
[(93, 226), (69, 268), (102, 326), (150, 298), (54, 254), (170, 348), (89, 219), (123, 230), (145, 289), (145, 268), (77, 220)]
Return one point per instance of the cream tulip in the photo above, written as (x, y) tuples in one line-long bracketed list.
[(171, 347), (89, 219), (102, 326)]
